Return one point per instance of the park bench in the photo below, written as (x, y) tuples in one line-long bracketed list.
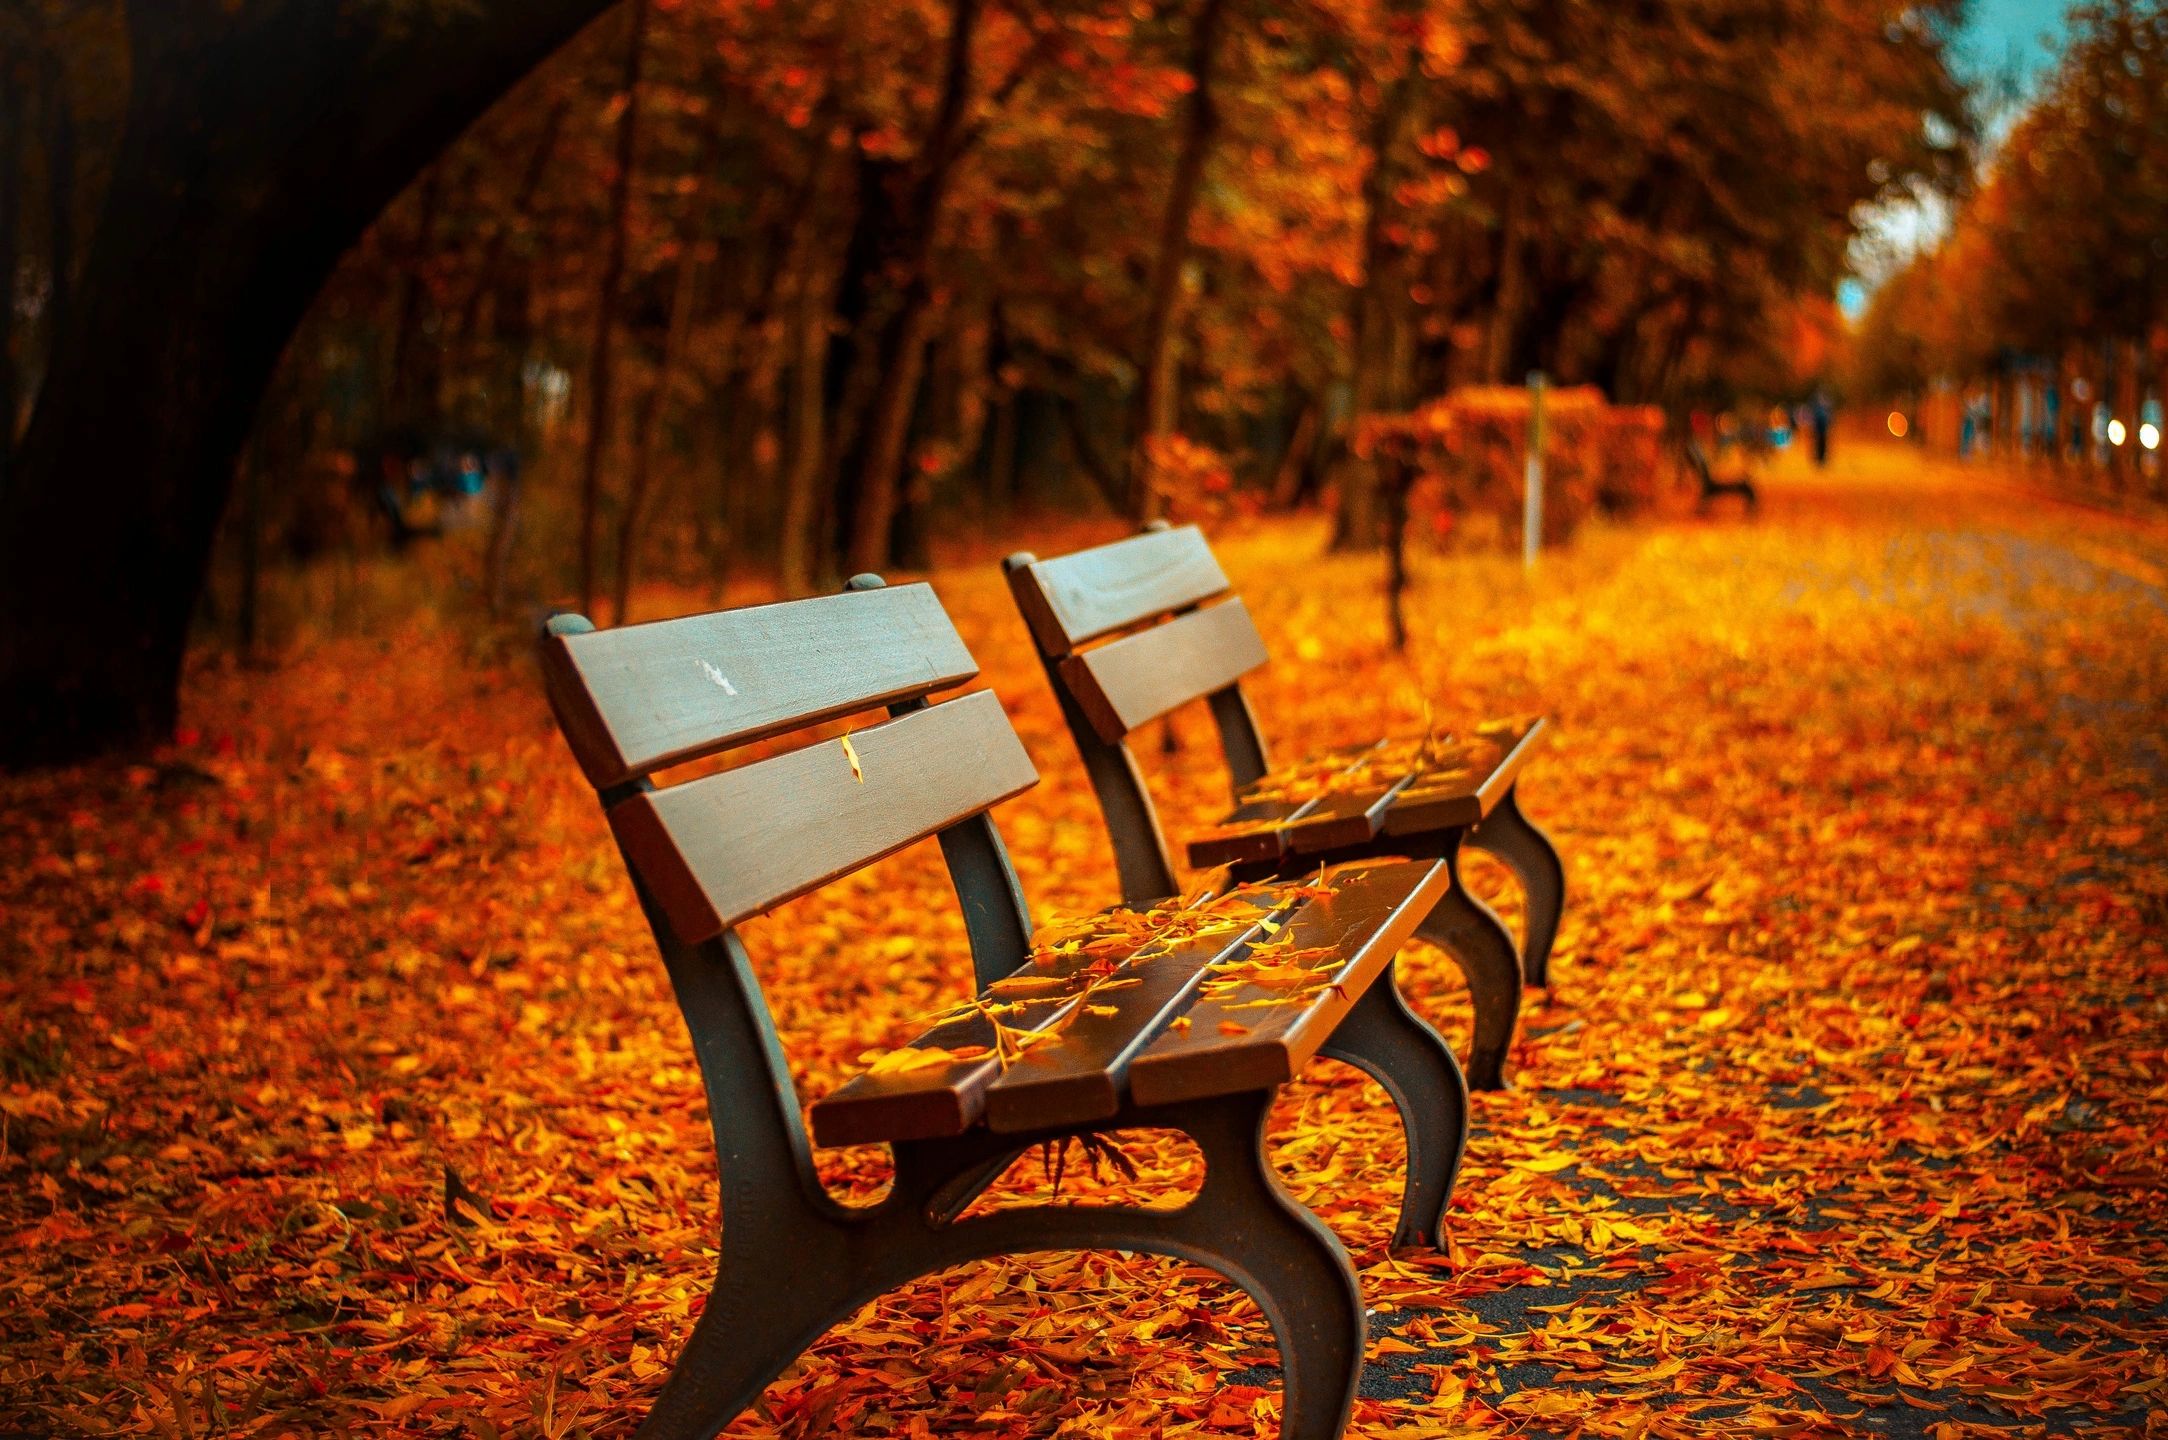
[(1713, 489), (1128, 633), (1181, 1017)]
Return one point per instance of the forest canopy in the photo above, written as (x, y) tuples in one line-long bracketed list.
[(2054, 266), (796, 283)]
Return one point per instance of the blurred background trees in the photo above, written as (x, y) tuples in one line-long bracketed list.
[(799, 287), (2044, 309)]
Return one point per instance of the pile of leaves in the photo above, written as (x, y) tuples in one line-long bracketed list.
[(343, 1093)]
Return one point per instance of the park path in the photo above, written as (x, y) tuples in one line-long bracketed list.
[(1845, 1114)]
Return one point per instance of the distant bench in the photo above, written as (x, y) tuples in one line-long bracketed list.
[(1180, 1017), (1129, 632), (1713, 489)]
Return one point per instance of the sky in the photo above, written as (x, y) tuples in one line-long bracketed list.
[(2004, 49), (2004, 38)]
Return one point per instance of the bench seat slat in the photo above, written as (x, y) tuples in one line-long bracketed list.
[(1080, 1077), (1257, 828), (1138, 678), (1468, 786), (934, 1100), (644, 697), (727, 846), (1344, 817), (1077, 598), (1256, 1035), (937, 1100)]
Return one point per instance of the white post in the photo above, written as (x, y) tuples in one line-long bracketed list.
[(1532, 491)]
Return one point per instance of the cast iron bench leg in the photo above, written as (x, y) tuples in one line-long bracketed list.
[(1508, 834), (1242, 1224), (794, 1262), (1469, 931), (1390, 1043)]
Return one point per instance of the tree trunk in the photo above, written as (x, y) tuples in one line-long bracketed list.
[(488, 270), (409, 402), (11, 209), (59, 111), (808, 418), (899, 353), (1294, 468), (888, 435), (259, 143), (1506, 312), (1359, 525), (1157, 394), (650, 419), (613, 272)]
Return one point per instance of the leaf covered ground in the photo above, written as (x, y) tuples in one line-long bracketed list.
[(344, 1094)]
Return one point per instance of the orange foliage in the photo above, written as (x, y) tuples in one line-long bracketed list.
[(341, 1090), (1470, 449)]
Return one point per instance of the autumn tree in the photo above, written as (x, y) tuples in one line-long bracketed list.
[(260, 140)]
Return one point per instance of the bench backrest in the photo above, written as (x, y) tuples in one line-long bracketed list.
[(711, 851), (1129, 632), (718, 849)]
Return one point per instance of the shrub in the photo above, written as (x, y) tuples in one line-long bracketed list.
[(1466, 452)]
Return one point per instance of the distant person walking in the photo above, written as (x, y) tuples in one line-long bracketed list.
[(1818, 415)]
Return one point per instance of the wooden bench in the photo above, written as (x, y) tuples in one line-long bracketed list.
[(1713, 489), (1184, 1018), (1129, 631)]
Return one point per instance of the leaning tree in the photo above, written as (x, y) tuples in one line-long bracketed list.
[(262, 137)]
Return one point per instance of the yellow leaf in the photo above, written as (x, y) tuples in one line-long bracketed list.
[(850, 753)]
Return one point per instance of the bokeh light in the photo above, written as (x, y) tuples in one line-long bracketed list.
[(1898, 425)]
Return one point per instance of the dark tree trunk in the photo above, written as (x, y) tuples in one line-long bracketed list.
[(489, 270), (11, 209), (260, 142), (1156, 391), (600, 372), (1359, 523), (59, 110), (900, 349), (649, 422), (409, 387)]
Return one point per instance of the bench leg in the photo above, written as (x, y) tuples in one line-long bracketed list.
[(1469, 931), (1243, 1224), (1387, 1041), (1508, 834), (757, 1320)]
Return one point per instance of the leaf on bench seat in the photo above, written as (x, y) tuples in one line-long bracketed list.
[(1077, 977), (1466, 781), (1253, 1031)]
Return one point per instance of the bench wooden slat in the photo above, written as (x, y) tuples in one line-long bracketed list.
[(1256, 829), (1461, 794), (643, 697), (932, 1101), (1079, 1078), (724, 847), (1138, 678), (1077, 598), (1343, 817), (1234, 1043), (1251, 832)]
